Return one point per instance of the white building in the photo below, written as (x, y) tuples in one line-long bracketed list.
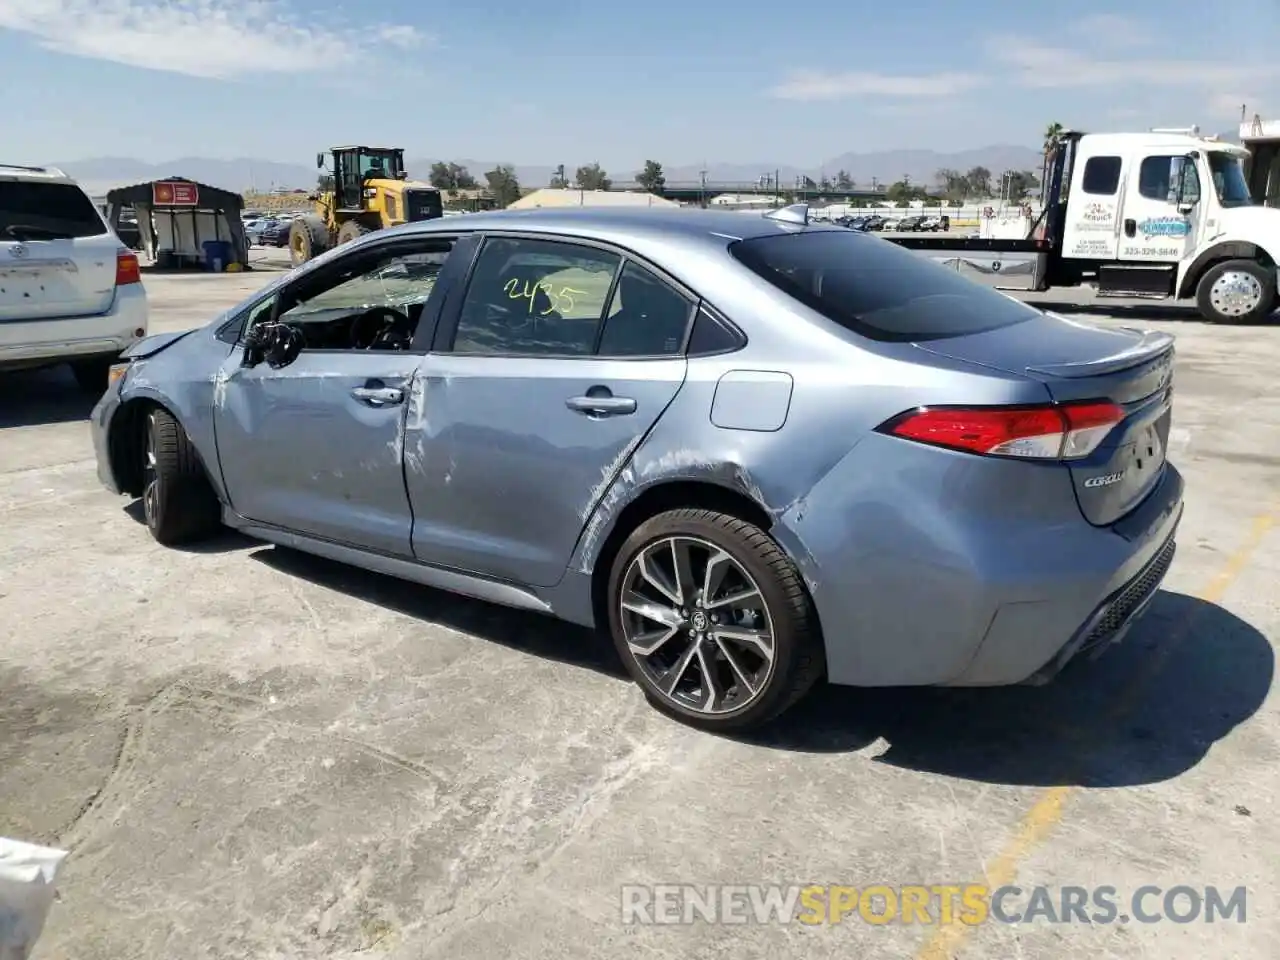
[(573, 197)]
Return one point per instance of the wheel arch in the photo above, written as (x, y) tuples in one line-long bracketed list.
[(126, 442), (658, 498), (1218, 253)]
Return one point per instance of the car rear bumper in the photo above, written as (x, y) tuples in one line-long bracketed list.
[(29, 343), (969, 574)]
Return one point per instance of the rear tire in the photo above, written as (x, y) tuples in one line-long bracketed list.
[(1237, 291), (743, 617), (177, 500), (91, 375)]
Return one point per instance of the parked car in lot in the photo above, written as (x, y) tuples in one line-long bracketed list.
[(276, 233), (930, 224), (70, 290), (254, 230), (910, 224), (633, 420)]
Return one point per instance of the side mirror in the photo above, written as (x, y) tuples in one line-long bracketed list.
[(276, 343), (319, 161)]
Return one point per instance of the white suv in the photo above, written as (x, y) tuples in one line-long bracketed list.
[(70, 291)]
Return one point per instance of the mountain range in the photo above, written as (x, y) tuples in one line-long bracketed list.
[(99, 174), (241, 174)]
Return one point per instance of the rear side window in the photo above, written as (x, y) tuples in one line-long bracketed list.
[(876, 289), (47, 211), (1101, 176)]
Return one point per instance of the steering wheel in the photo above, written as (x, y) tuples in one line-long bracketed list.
[(381, 327)]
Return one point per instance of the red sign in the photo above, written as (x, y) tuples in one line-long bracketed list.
[(174, 193)]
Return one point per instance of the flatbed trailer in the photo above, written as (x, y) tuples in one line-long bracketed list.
[(1162, 215)]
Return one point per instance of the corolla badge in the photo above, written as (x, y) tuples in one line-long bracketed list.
[(1105, 480), (19, 251)]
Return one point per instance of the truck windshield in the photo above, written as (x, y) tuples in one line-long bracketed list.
[(1229, 180), (875, 288)]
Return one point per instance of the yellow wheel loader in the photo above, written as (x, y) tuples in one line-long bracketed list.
[(365, 189)]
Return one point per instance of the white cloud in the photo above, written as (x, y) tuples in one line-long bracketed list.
[(220, 39), (1114, 30), (817, 85), (1039, 65)]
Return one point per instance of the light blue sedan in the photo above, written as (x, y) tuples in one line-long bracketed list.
[(757, 451)]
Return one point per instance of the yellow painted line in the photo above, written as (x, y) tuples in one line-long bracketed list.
[(1047, 812)]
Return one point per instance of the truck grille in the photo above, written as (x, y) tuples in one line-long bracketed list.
[(422, 205)]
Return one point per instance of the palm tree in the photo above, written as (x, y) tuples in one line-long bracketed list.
[(1051, 135)]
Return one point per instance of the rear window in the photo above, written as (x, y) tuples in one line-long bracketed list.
[(876, 289), (47, 211)]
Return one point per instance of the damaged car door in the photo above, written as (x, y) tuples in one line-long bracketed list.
[(310, 407), (544, 377)]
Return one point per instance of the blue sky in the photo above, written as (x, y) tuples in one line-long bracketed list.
[(680, 82)]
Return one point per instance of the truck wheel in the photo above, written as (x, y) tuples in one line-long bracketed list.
[(712, 620), (308, 238), (352, 230), (1237, 291), (177, 500)]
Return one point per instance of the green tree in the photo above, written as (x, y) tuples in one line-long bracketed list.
[(558, 180), (953, 184), (452, 177), (844, 181), (651, 179), (503, 185), (904, 191), (979, 180), (1017, 184), (592, 177)]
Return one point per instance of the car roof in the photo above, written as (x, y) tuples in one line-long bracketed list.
[(685, 226), (13, 171)]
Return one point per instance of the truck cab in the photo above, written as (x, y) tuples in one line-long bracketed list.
[(1162, 214)]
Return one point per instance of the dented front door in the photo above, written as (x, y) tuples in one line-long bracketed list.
[(316, 446)]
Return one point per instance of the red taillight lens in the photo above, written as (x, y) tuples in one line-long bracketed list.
[(127, 269), (1052, 432)]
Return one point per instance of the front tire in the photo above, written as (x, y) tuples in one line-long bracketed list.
[(177, 501), (1236, 291), (352, 230), (307, 238), (712, 620)]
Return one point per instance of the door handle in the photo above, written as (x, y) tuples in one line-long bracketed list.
[(379, 396), (1130, 227), (601, 406)]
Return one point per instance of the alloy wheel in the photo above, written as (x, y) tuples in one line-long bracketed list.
[(697, 625), (151, 476)]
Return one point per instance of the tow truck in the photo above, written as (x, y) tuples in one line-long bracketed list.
[(1163, 215)]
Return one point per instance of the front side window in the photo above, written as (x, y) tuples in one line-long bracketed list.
[(875, 288), (535, 298), (373, 303)]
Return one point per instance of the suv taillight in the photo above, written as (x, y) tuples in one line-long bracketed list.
[(1049, 432), (127, 268)]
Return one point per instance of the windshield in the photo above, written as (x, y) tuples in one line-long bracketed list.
[(379, 164), (1229, 179)]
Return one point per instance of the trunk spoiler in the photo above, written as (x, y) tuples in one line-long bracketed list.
[(1150, 345)]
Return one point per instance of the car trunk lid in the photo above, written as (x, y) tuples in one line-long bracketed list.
[(1080, 362), (57, 257), (65, 278)]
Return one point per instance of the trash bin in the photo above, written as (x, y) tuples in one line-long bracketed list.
[(217, 254)]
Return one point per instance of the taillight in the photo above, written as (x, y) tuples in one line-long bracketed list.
[(127, 269), (1051, 432)]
